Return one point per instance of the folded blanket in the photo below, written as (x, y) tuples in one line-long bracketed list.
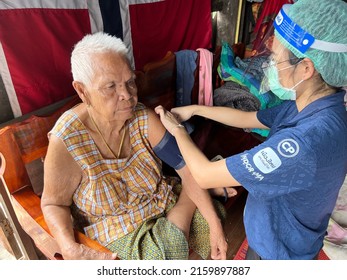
[(234, 95)]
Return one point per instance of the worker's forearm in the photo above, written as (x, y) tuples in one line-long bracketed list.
[(228, 116), (195, 159), (200, 197), (203, 202)]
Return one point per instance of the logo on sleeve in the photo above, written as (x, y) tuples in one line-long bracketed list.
[(248, 165), (266, 160), (288, 148)]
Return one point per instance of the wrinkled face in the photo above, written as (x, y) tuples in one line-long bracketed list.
[(113, 91)]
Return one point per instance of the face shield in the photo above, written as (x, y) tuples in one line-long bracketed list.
[(279, 70), (249, 71), (280, 66)]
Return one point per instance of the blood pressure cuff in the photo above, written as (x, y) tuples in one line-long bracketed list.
[(167, 150)]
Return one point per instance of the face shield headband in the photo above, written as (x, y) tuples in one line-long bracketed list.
[(300, 38)]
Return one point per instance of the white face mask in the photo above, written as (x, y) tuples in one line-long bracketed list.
[(273, 82)]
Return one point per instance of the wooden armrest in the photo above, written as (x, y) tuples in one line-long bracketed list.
[(29, 212), (83, 239), (29, 201), (31, 219)]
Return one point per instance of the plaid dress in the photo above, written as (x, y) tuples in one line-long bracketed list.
[(121, 203)]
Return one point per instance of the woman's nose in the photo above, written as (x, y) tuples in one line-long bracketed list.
[(124, 93)]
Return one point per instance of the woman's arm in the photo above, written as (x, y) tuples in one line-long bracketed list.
[(62, 175), (200, 197), (224, 115), (207, 174)]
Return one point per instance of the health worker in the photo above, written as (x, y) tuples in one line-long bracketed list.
[(294, 176)]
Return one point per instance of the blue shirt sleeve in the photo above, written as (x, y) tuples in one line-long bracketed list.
[(282, 164), (267, 116)]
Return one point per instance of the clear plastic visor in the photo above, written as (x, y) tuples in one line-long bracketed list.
[(280, 59)]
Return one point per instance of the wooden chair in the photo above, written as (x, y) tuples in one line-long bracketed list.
[(23, 148), (13, 240), (157, 82)]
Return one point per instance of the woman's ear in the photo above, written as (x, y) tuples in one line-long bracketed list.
[(80, 89), (309, 69)]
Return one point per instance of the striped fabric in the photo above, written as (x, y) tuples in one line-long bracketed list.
[(118, 195)]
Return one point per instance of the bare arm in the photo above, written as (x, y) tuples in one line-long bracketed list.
[(200, 197), (224, 115), (62, 175), (207, 174)]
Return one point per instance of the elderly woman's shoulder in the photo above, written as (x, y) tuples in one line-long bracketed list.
[(69, 120), (142, 109), (79, 110), (140, 106)]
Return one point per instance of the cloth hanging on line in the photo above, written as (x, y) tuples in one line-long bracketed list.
[(205, 77), (185, 68)]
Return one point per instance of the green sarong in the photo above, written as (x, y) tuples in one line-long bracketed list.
[(159, 239)]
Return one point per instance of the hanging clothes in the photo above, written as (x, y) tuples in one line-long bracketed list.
[(185, 67), (205, 77)]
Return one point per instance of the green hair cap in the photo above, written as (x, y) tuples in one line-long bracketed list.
[(326, 21)]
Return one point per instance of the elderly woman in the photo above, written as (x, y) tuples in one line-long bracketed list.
[(102, 167), (294, 176)]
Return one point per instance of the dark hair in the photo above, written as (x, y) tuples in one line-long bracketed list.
[(293, 59)]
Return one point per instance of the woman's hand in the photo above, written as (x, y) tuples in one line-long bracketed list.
[(167, 118), (219, 245), (78, 251)]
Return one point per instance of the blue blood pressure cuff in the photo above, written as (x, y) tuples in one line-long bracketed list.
[(167, 150)]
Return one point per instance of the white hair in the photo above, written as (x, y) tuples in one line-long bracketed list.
[(81, 56)]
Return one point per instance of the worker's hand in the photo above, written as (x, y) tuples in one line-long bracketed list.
[(167, 118), (78, 251)]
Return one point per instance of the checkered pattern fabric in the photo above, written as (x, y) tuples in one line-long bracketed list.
[(123, 202), (118, 195)]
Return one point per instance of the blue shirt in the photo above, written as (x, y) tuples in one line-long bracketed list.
[(293, 178)]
